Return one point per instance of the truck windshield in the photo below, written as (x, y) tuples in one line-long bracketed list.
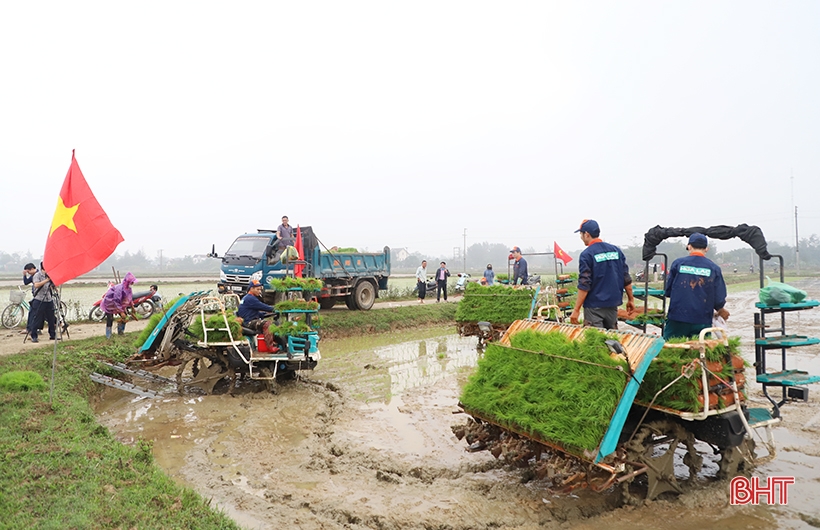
[(253, 247)]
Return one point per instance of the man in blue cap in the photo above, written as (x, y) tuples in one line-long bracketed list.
[(520, 272), (696, 290), (251, 309), (603, 276)]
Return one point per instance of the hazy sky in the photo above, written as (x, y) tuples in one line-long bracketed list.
[(402, 124)]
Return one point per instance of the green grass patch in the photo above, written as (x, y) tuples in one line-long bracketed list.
[(498, 304), (22, 381), (559, 400), (349, 323), (60, 469)]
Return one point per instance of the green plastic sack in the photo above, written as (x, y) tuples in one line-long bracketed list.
[(776, 293), (289, 254)]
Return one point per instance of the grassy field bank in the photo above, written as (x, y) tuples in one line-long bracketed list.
[(60, 469)]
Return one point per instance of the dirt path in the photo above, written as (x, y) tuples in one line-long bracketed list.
[(11, 341)]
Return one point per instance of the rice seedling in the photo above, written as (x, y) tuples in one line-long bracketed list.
[(547, 385), (216, 328), (683, 395), (498, 304)]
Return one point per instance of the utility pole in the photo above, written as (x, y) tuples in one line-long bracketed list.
[(464, 254), (160, 260), (796, 243)]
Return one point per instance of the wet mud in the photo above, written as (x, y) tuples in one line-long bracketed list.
[(366, 441)]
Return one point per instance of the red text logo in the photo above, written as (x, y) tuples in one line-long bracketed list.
[(743, 490)]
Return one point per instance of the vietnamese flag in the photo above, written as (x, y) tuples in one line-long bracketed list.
[(560, 254), (297, 269), (81, 236)]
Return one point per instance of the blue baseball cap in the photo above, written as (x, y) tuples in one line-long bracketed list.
[(590, 226), (698, 240), (254, 283)]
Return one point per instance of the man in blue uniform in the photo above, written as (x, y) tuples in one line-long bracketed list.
[(251, 309), (695, 289), (603, 276)]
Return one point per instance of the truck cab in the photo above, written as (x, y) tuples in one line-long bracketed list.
[(250, 257)]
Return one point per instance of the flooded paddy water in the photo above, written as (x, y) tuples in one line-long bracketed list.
[(365, 441)]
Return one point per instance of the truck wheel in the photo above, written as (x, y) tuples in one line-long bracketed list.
[(327, 303), (365, 295), (350, 302)]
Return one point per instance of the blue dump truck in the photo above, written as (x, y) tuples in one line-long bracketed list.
[(352, 277)]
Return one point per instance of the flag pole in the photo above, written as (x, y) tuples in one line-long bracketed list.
[(54, 359)]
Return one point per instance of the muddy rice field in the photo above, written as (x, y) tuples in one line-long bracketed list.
[(366, 441)]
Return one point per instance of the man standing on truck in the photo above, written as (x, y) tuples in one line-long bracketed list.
[(284, 234), (603, 276), (421, 280), (696, 290), (251, 309)]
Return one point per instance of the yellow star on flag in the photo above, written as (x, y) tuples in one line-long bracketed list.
[(64, 216)]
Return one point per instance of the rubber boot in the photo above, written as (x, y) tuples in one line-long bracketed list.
[(120, 328), (107, 332)]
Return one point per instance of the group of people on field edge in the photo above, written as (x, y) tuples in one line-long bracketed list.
[(440, 277), (116, 303)]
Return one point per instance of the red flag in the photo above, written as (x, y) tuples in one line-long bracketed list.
[(663, 267), (560, 254), (297, 269), (81, 236)]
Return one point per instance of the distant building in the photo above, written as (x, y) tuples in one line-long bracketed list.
[(401, 254)]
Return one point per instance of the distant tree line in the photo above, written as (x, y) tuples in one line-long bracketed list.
[(127, 261), (480, 254)]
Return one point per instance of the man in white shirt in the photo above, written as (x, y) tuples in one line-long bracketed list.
[(421, 280)]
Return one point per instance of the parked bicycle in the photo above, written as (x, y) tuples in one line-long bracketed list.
[(15, 312)]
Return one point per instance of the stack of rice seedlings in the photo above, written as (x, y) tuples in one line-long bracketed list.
[(559, 400), (153, 321), (302, 305), (687, 393), (342, 250), (216, 322), (305, 284), (497, 304)]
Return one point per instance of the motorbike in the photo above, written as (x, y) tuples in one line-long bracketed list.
[(640, 275), (145, 304), (431, 287), (461, 284)]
